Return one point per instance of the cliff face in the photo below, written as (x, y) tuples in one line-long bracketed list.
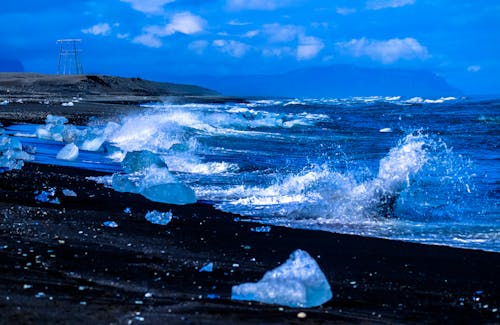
[(92, 85)]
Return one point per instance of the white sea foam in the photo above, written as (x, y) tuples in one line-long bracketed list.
[(321, 192)]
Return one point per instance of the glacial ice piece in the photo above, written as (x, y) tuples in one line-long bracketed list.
[(170, 193), (12, 155), (209, 267), (154, 183), (261, 229), (68, 152), (110, 224), (92, 144), (299, 282), (136, 161), (159, 218), (48, 196), (68, 192), (55, 120)]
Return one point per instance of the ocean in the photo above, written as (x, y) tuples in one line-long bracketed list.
[(412, 169)]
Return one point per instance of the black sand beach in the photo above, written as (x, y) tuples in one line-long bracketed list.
[(59, 264)]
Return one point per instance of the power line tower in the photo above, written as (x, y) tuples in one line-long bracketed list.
[(69, 61)]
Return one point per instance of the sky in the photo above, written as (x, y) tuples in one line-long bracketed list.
[(158, 39)]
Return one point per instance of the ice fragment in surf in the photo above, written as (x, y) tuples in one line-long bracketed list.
[(207, 267), (299, 282), (159, 218), (93, 144), (136, 161), (68, 152), (68, 104), (385, 130)]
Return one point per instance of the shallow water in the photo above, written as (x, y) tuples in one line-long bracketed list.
[(410, 169)]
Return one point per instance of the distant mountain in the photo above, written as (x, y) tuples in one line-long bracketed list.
[(333, 81), (8, 65)]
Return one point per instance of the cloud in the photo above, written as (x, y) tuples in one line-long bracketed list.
[(281, 33), (231, 47), (344, 11), (305, 47), (148, 6), (198, 46), (251, 33), (385, 51), (122, 35), (101, 29), (473, 68), (258, 4), (236, 22), (148, 40), (382, 4), (184, 23), (309, 47)]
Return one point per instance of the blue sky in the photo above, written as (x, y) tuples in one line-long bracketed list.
[(459, 40)]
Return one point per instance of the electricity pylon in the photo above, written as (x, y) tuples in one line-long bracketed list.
[(69, 61)]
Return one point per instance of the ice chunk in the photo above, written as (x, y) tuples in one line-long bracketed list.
[(68, 104), (209, 267), (110, 224), (261, 229), (56, 120), (385, 130), (47, 196), (159, 218), (136, 161), (12, 155), (4, 102), (68, 152), (299, 282), (68, 192), (92, 144), (171, 193), (156, 184)]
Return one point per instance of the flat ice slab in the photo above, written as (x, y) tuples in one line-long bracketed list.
[(299, 282)]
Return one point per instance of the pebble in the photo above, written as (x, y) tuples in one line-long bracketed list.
[(301, 315)]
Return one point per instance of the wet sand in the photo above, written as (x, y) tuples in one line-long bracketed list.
[(60, 264)]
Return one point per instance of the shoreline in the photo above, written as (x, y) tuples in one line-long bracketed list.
[(59, 263)]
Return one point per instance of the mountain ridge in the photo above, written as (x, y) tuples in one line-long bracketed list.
[(332, 81)]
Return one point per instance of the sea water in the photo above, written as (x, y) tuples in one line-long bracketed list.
[(413, 169)]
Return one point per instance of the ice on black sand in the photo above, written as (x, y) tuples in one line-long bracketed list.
[(159, 218), (299, 282)]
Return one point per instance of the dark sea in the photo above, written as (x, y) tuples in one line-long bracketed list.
[(412, 169)]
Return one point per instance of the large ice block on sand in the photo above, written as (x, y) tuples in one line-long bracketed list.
[(172, 193), (299, 282), (136, 161), (154, 183)]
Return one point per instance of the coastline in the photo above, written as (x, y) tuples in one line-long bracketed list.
[(59, 263)]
